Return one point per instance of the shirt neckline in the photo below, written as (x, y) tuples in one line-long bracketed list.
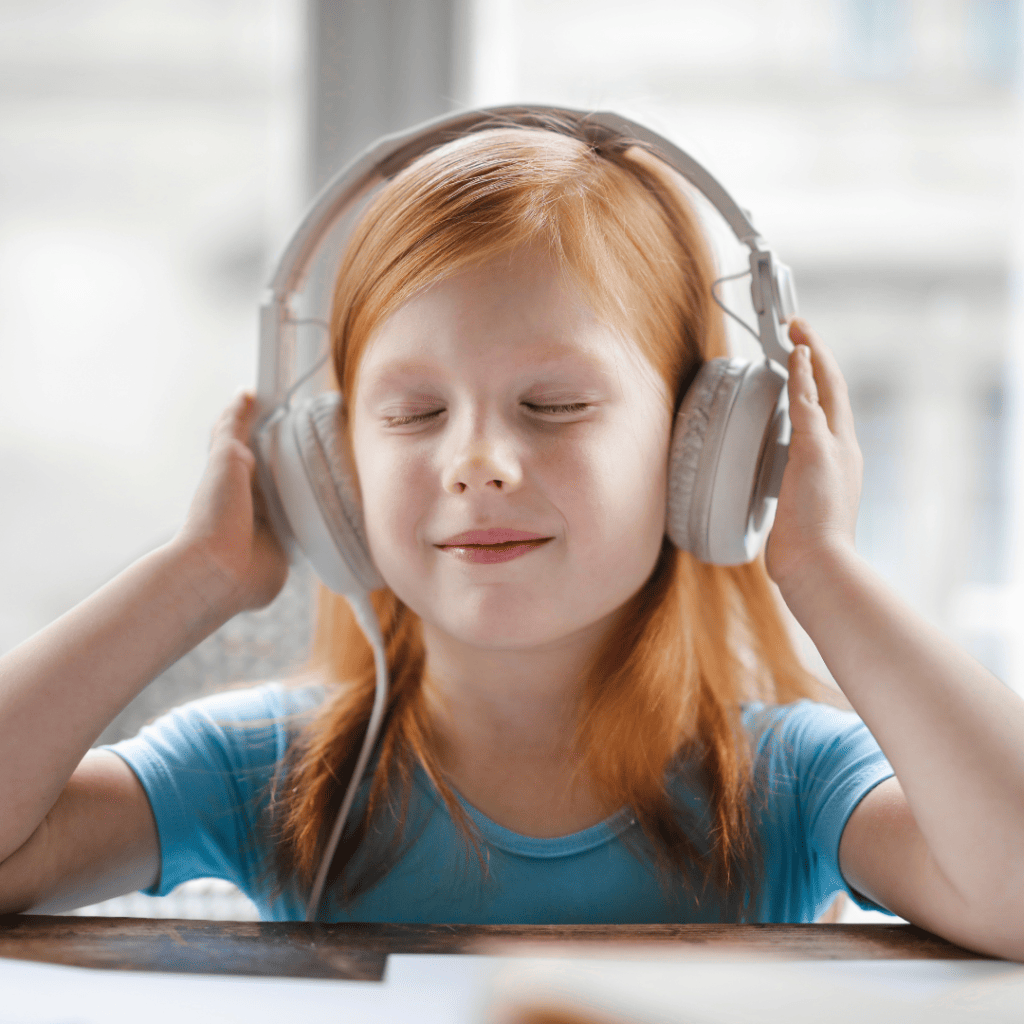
[(531, 846)]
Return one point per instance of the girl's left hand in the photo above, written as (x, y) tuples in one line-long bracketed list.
[(820, 492)]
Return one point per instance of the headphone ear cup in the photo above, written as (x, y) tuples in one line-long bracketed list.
[(316, 486), (728, 449)]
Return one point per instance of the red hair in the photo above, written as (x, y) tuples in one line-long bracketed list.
[(694, 642)]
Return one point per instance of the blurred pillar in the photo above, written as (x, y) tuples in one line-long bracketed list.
[(377, 66), (1013, 607), (373, 67)]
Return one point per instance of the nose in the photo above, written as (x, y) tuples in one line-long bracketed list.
[(482, 461)]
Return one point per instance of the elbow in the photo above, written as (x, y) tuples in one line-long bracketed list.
[(1000, 936), (1005, 941), (20, 874), (998, 948), (13, 897), (997, 928)]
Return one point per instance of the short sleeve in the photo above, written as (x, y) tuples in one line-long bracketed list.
[(816, 763), (206, 768)]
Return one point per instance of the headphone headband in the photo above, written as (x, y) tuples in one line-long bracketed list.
[(771, 283)]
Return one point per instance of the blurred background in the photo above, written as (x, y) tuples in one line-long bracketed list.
[(154, 159)]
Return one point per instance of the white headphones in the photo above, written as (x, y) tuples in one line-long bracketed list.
[(729, 442)]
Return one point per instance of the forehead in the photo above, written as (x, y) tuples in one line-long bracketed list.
[(500, 329), (512, 318), (395, 366)]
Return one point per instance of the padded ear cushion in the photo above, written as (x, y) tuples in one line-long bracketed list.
[(311, 493), (728, 430), (317, 424)]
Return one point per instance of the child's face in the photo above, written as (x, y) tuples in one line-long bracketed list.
[(592, 481)]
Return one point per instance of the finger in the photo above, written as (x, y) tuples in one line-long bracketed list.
[(805, 411), (832, 392), (261, 514), (237, 419)]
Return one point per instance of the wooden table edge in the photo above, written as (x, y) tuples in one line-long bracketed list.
[(358, 951)]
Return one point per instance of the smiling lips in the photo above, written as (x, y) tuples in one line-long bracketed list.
[(488, 554), (498, 544), (496, 537)]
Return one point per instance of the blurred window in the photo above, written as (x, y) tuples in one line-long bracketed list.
[(987, 540), (992, 39), (880, 519), (876, 36)]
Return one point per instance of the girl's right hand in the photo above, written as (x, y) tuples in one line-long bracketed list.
[(227, 523)]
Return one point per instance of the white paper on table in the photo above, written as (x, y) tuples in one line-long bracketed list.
[(469, 989), (33, 993), (782, 992)]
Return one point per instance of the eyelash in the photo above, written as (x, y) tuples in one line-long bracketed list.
[(402, 421)]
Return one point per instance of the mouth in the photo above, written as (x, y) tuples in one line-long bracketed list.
[(489, 554), (499, 547)]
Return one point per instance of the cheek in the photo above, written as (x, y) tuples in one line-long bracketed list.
[(380, 484), (611, 491), (395, 490), (626, 524), (624, 474)]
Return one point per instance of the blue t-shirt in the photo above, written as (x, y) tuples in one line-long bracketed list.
[(205, 767)]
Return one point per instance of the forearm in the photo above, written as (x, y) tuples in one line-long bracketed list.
[(953, 732), (63, 686)]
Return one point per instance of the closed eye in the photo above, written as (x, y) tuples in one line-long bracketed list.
[(400, 421), (573, 407)]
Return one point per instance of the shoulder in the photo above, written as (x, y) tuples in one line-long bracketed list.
[(239, 726), (803, 730), (254, 704), (814, 765), (821, 757)]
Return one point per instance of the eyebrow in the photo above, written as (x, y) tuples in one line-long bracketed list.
[(553, 355)]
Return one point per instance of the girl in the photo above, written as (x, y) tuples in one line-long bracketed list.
[(585, 723)]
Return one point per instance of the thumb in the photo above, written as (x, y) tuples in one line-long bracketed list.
[(235, 422)]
